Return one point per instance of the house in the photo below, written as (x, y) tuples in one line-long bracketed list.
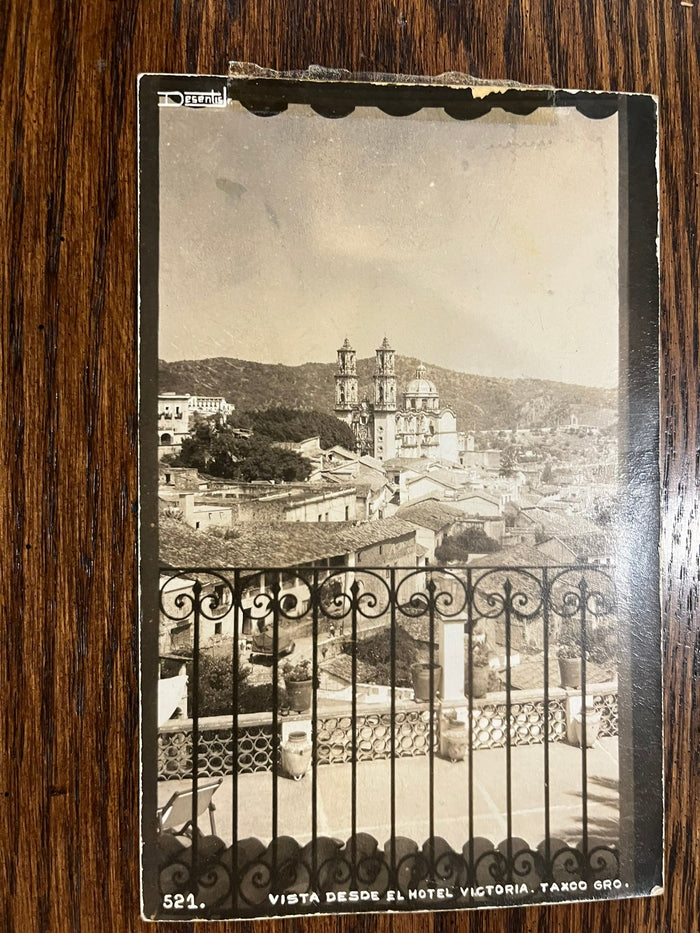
[(434, 521), (368, 475), (176, 411), (210, 405), (182, 478), (298, 503), (479, 504), (173, 421), (420, 479), (329, 546), (203, 515)]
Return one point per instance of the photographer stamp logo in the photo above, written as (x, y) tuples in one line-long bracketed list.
[(192, 98)]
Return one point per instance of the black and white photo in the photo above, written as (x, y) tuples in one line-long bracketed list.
[(400, 634)]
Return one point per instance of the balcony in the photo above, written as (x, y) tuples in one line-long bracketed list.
[(389, 805)]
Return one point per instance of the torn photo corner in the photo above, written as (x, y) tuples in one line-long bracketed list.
[(400, 634)]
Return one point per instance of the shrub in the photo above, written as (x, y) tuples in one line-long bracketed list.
[(216, 688), (459, 547), (376, 653)]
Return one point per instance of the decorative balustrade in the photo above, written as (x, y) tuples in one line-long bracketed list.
[(334, 746), (448, 613)]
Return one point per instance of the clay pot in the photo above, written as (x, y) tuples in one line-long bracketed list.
[(296, 755), (592, 727), (478, 686), (421, 680), (455, 740), (570, 672), (298, 694)]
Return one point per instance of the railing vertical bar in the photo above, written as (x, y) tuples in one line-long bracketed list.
[(275, 726), (392, 719), (509, 777), (238, 618), (584, 746), (545, 703), (314, 730), (431, 720), (353, 727), (470, 703), (197, 596)]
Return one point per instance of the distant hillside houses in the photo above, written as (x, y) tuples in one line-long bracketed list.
[(329, 547), (354, 512), (175, 413)]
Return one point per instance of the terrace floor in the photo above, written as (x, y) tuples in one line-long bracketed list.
[(451, 783)]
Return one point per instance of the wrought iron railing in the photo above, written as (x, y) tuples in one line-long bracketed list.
[(441, 608)]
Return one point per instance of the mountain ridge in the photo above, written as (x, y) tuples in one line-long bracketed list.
[(479, 402)]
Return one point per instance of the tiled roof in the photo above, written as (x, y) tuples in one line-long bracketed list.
[(529, 673), (399, 463), (419, 629), (273, 544), (529, 500), (519, 556), (182, 546), (372, 463), (439, 476), (480, 494), (556, 524), (341, 666), (588, 545), (358, 471), (429, 514)]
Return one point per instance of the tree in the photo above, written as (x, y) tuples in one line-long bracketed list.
[(195, 450), (296, 424), (508, 462), (458, 548), (216, 687), (258, 459), (216, 449)]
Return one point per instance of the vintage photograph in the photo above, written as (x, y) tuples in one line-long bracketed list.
[(397, 565)]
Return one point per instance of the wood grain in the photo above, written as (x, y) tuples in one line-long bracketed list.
[(68, 272)]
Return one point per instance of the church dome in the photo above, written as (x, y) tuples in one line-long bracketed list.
[(420, 386)]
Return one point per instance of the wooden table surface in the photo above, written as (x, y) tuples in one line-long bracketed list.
[(68, 674)]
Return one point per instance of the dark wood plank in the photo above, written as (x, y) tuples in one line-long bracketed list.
[(68, 240)]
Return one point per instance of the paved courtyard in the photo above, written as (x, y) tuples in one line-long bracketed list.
[(334, 794)]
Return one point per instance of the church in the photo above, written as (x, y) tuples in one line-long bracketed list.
[(418, 427)]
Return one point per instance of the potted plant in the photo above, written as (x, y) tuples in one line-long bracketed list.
[(421, 674), (478, 673), (298, 682), (569, 654)]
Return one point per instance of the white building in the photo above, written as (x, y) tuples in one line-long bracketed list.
[(419, 427)]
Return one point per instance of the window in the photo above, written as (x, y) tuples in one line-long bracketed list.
[(347, 513), (217, 628), (180, 636)]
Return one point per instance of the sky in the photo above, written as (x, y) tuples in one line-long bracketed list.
[(487, 246)]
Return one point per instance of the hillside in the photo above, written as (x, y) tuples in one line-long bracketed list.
[(479, 402)]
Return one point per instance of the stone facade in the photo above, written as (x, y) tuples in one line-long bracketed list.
[(419, 427)]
